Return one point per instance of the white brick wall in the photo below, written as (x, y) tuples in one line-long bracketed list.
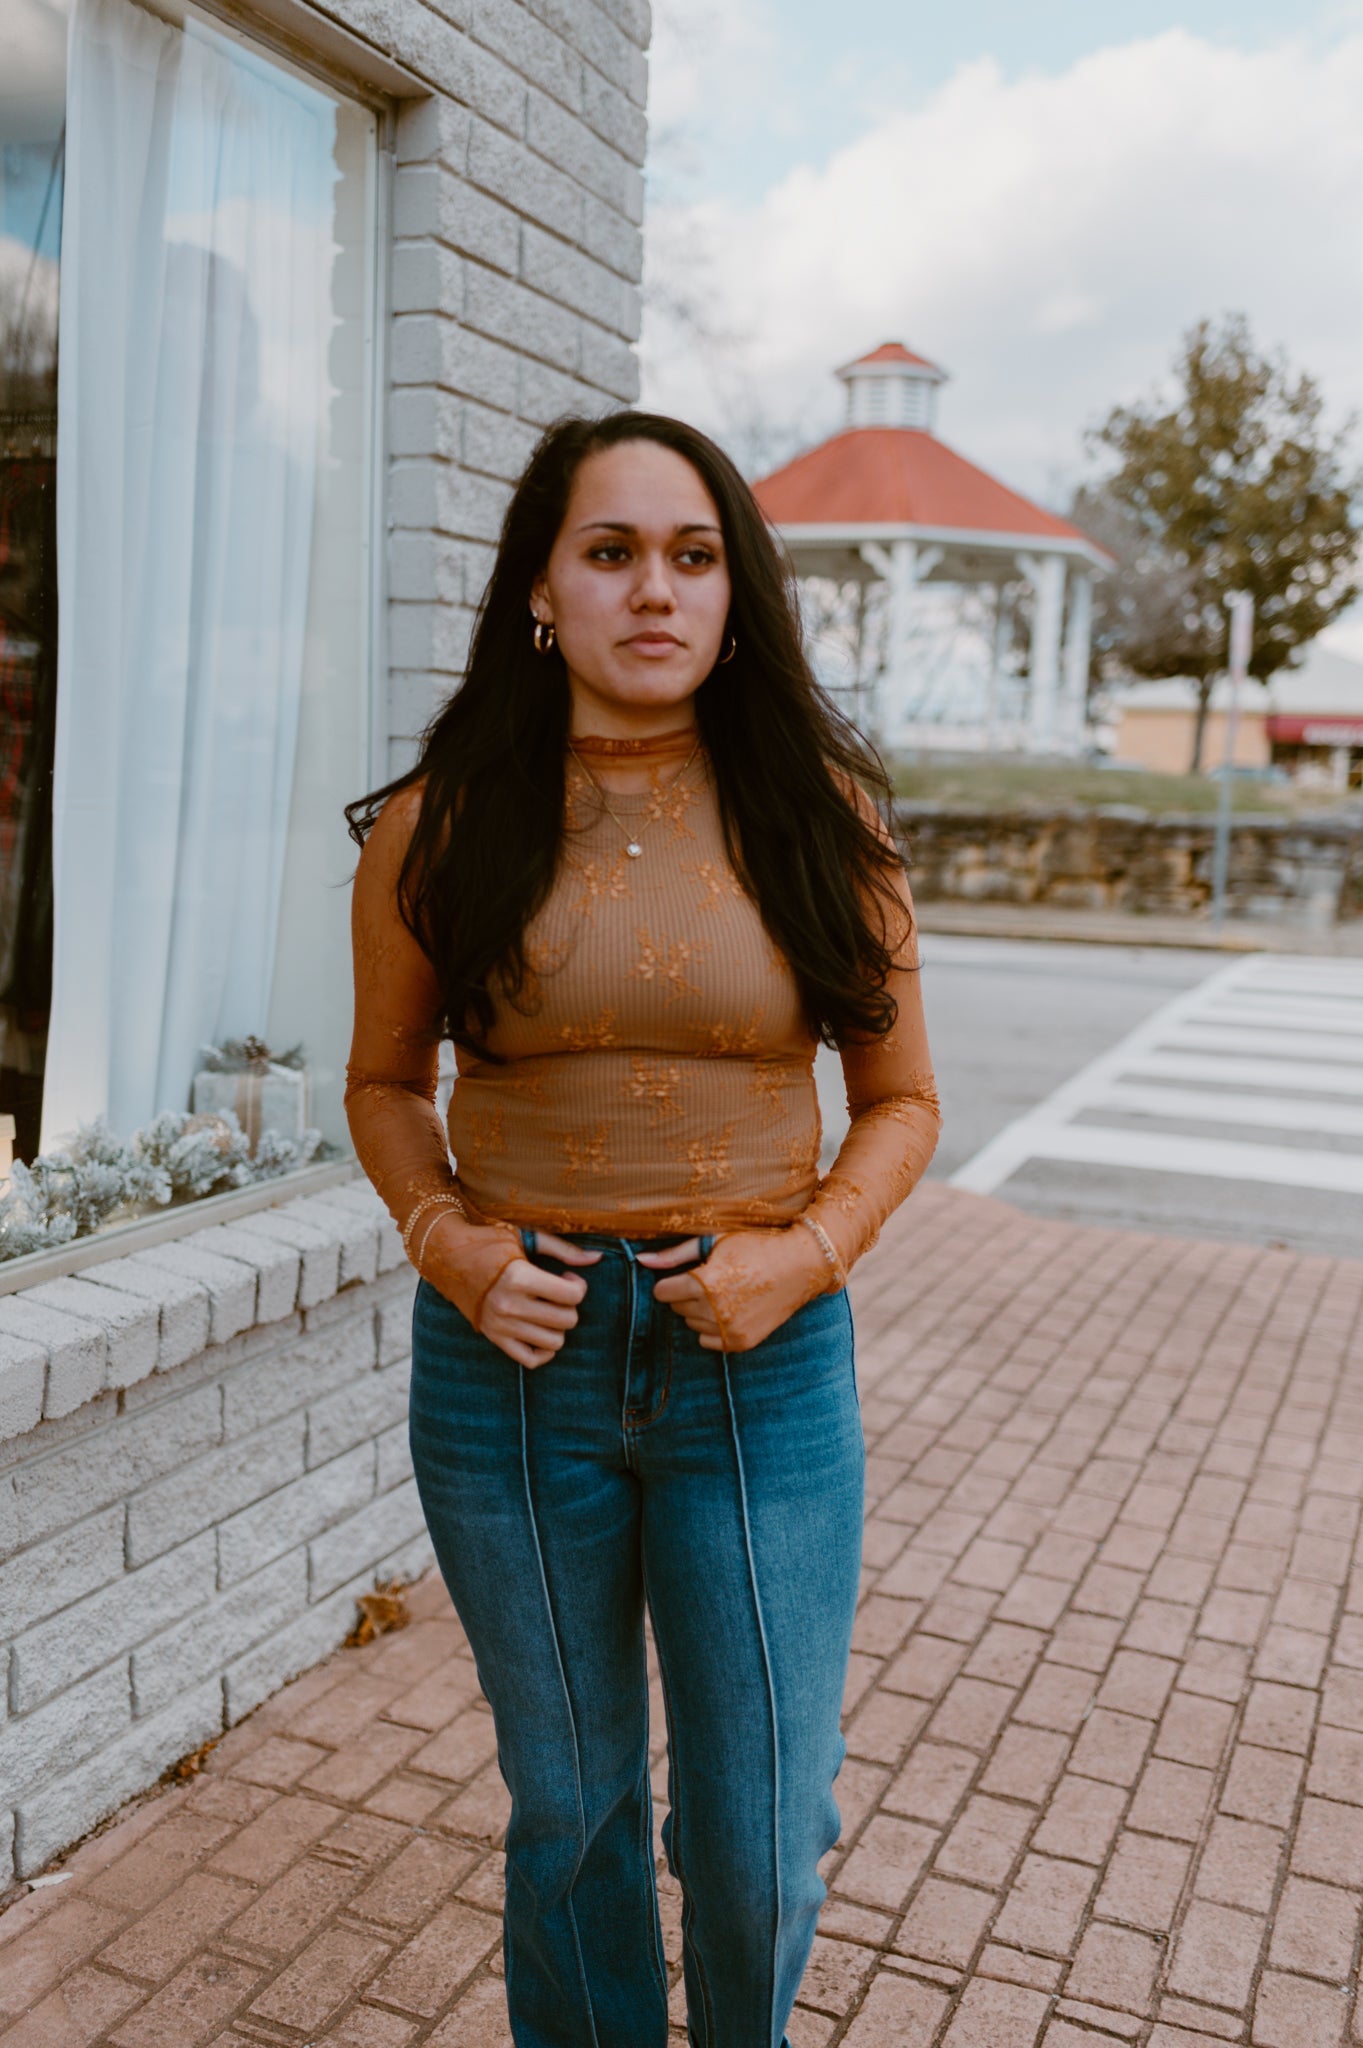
[(195, 1532), (203, 1446), (514, 286)]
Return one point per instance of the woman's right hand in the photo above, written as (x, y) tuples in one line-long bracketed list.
[(525, 1312)]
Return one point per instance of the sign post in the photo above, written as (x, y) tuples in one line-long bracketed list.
[(1241, 607)]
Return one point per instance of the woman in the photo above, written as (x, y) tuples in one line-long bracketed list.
[(634, 878)]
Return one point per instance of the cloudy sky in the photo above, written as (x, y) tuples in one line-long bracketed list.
[(1040, 198)]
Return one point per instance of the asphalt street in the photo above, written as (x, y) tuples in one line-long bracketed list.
[(1148, 1087)]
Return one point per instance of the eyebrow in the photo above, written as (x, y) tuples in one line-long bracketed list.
[(623, 526)]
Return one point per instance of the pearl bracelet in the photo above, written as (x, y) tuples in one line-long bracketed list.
[(826, 1246)]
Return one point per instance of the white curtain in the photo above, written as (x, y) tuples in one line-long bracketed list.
[(196, 250)]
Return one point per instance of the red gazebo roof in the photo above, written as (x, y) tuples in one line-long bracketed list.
[(901, 476), (893, 352)]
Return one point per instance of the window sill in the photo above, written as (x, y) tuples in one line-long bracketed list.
[(112, 1310), (144, 1231)]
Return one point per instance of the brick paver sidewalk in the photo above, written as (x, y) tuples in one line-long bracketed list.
[(1105, 1780)]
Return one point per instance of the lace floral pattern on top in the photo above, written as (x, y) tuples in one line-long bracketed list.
[(656, 1075)]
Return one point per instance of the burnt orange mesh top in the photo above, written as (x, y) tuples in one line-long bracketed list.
[(659, 1070)]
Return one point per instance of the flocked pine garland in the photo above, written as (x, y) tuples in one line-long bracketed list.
[(100, 1178)]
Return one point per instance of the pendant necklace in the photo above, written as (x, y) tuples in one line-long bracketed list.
[(632, 846)]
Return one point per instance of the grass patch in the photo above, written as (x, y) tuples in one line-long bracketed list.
[(1003, 785)]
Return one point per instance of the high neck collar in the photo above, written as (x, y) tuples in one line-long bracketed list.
[(659, 746)]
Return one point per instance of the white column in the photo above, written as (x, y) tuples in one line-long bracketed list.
[(901, 567), (1078, 634), (1046, 574), (1003, 627)]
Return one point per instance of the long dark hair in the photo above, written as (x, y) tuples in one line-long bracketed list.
[(487, 839)]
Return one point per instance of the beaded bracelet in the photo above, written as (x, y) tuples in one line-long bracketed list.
[(425, 1235), (442, 1200), (826, 1246)]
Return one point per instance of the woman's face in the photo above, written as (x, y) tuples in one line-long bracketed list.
[(636, 585)]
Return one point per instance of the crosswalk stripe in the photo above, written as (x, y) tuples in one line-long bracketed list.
[(1201, 1105), (1318, 1017), (1323, 1078), (1325, 991), (1271, 1039), (1215, 1158), (1193, 1033)]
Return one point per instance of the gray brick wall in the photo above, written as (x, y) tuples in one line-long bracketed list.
[(515, 275), (203, 1448), (197, 1530)]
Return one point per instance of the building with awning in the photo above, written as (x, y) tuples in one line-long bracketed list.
[(1307, 720), (886, 505), (1315, 718)]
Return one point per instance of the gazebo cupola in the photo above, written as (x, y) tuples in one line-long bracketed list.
[(891, 387)]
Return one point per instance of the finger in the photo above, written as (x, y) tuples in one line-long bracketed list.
[(548, 1315), (679, 1287), (567, 1288), (526, 1352), (560, 1248), (523, 1354), (674, 1255), (533, 1334)]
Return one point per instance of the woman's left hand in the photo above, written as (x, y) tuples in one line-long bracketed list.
[(751, 1283)]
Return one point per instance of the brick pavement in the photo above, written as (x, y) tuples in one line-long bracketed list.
[(1105, 1715)]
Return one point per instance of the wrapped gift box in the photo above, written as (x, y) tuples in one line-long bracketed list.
[(264, 1097)]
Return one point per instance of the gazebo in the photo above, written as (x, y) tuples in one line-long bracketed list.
[(885, 503)]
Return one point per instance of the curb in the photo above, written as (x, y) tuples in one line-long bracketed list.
[(1081, 928)]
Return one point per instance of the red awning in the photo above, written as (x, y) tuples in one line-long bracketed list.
[(1316, 732)]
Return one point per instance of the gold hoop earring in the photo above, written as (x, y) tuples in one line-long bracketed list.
[(733, 649), (544, 635)]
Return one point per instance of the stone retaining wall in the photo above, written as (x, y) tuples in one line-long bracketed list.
[(1308, 874), (203, 1459)]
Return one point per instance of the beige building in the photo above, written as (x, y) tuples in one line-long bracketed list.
[(1308, 721)]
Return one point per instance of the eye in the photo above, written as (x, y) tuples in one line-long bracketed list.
[(698, 556), (608, 551)]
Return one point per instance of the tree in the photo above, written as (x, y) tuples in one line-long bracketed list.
[(1234, 483), (1146, 619)]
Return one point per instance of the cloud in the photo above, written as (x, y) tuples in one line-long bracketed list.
[(1046, 238), (704, 59)]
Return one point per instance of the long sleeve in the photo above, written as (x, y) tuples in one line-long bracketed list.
[(392, 1074), (753, 1285), (896, 1117)]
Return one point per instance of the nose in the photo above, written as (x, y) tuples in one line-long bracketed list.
[(653, 589)]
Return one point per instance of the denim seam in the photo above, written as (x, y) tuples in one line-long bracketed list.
[(646, 1843), (629, 1360), (771, 1689), (572, 1718), (651, 1880), (688, 1903)]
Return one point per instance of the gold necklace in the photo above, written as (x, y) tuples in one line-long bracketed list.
[(632, 846)]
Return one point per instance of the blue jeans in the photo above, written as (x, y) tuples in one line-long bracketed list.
[(726, 1492)]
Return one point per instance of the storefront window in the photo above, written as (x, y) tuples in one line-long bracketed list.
[(177, 745)]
